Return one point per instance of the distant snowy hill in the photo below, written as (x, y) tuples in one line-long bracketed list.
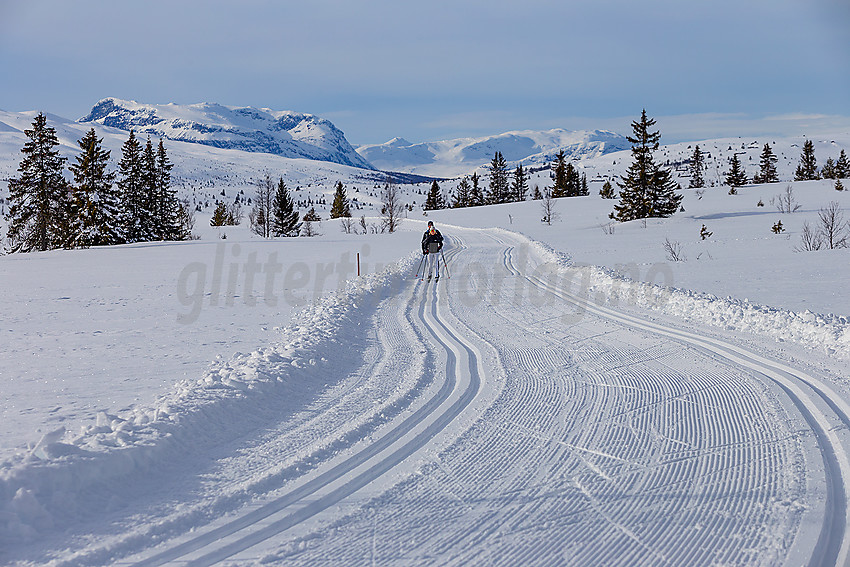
[(204, 174), (283, 133), (450, 158)]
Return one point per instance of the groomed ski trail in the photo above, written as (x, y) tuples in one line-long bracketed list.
[(614, 441), (328, 485), (501, 417)]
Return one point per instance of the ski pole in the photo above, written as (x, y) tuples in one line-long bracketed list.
[(445, 264), (420, 265)]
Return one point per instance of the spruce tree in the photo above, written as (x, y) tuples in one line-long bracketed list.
[(519, 186), (285, 222), (434, 200), (842, 166), (828, 169), (307, 227), (38, 196), (185, 220), (607, 191), (696, 168), (149, 193), (132, 190), (312, 216), (647, 190), (559, 176), (221, 216), (573, 181), (97, 208), (167, 207), (808, 168), (498, 190), (340, 206), (476, 195), (736, 177), (461, 198), (767, 166)]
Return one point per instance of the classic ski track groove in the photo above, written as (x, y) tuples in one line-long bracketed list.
[(833, 545), (377, 458), (526, 482), (636, 476), (290, 443)]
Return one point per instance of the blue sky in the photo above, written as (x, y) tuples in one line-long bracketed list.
[(441, 69)]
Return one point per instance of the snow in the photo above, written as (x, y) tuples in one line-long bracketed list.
[(743, 277), (565, 394), (122, 324)]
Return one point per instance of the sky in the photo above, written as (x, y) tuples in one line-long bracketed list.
[(441, 69)]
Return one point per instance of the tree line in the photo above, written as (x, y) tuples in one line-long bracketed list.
[(100, 207), (275, 214), (807, 169), (506, 186), (647, 189)]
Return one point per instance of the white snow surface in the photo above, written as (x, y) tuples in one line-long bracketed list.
[(566, 394)]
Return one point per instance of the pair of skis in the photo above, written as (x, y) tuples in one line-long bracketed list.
[(421, 266)]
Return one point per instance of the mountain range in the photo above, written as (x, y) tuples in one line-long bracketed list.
[(298, 135), (450, 158), (283, 133)]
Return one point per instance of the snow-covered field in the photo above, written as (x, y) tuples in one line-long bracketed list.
[(248, 401)]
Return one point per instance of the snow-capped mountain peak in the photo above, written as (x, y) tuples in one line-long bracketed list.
[(284, 133)]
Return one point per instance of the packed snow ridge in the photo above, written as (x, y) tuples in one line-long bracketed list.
[(283, 133)]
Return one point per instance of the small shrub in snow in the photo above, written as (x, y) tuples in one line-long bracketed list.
[(705, 233), (674, 250), (838, 185), (785, 202), (778, 228), (548, 207), (810, 239), (833, 228), (347, 225)]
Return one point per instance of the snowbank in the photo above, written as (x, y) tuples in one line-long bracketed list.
[(47, 486), (826, 333)]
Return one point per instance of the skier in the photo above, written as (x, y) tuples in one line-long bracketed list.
[(432, 243)]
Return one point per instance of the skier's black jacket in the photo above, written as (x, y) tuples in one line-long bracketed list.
[(428, 238)]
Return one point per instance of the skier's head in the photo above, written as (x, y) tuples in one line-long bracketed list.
[(432, 230)]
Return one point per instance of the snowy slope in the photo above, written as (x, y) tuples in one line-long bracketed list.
[(284, 133), (718, 154), (500, 417), (450, 158), (568, 395), (203, 172)]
